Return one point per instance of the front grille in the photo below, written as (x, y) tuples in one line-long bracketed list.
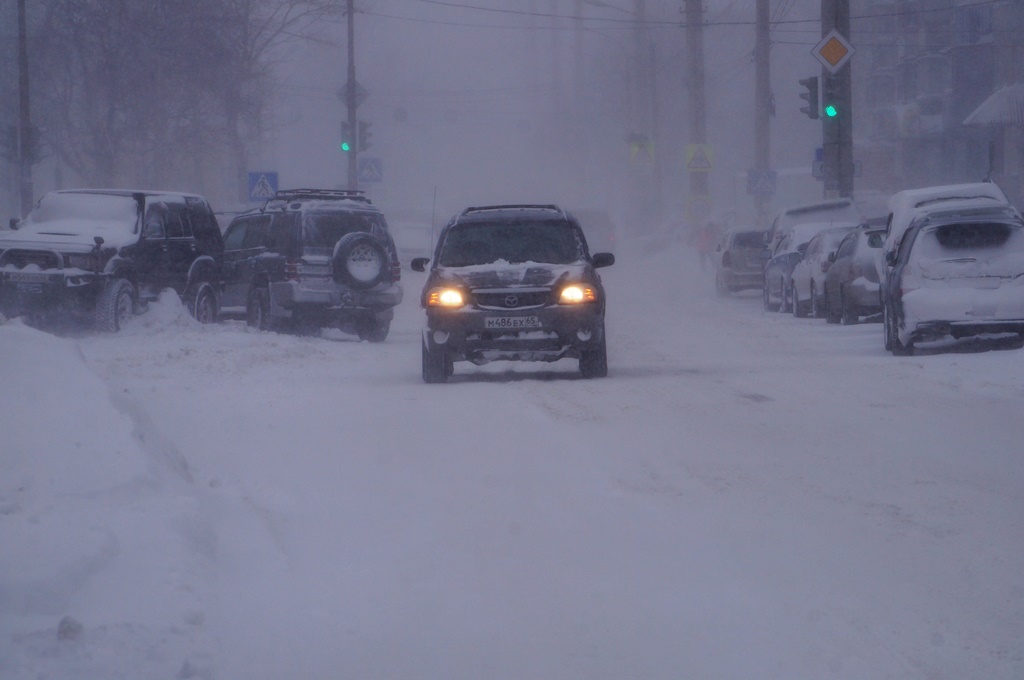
[(512, 300), (23, 258)]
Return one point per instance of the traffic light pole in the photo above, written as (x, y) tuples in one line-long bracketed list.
[(350, 98), (837, 130), (26, 145)]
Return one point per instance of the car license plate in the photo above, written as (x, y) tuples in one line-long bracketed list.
[(512, 323), (29, 287), (21, 277)]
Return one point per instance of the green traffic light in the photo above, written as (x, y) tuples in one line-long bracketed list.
[(831, 111), (345, 146)]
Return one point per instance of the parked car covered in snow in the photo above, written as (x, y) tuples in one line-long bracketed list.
[(102, 254), (957, 273), (852, 284), (808, 279), (778, 270), (738, 260)]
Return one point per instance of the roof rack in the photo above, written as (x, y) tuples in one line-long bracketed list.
[(515, 206), (321, 194)]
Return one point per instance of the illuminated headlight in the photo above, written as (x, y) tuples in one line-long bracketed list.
[(576, 294), (445, 297), (79, 261)]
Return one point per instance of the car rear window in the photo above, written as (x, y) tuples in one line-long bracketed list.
[(968, 240), (321, 231), (748, 239), (483, 243)]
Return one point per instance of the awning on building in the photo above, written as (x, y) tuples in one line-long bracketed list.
[(1004, 107)]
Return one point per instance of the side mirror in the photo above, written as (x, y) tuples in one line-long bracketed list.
[(419, 264), (603, 260), (890, 258), (832, 256), (15, 223)]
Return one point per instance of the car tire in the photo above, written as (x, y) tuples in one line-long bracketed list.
[(846, 314), (800, 309), (886, 328), (360, 260), (898, 348), (594, 362), (769, 306), (202, 302), (721, 289), (374, 330), (257, 309), (830, 315), (786, 305), (115, 305), (816, 311), (436, 365)]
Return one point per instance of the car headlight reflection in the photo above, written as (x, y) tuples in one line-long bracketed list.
[(577, 294), (445, 297)]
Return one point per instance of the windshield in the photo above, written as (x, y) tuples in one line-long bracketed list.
[(482, 243), (968, 242), (749, 239), (71, 213)]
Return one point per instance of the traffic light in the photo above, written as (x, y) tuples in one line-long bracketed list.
[(364, 135), (812, 109), (830, 103), (347, 143)]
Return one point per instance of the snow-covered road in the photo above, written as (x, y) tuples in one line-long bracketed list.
[(747, 495)]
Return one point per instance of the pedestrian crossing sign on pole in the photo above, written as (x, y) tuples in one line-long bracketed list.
[(370, 170), (262, 186), (699, 158)]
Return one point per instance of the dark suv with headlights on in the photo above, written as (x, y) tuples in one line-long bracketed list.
[(314, 257), (513, 282), (99, 254)]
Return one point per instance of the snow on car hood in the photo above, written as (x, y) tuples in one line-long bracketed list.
[(74, 234), (503, 274)]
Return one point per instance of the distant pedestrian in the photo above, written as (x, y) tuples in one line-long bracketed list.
[(703, 241)]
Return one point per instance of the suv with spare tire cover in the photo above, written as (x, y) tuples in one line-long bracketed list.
[(313, 258), (103, 254), (513, 282)]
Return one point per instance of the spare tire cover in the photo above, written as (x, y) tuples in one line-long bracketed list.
[(360, 260)]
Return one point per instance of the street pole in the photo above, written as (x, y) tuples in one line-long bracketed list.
[(26, 143), (699, 180), (350, 100), (762, 108), (837, 131)]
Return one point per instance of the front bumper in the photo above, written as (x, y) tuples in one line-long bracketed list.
[(554, 332), (63, 291)]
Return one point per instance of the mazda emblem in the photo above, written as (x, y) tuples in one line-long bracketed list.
[(511, 301)]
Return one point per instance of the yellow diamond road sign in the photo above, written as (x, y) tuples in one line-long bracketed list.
[(833, 51)]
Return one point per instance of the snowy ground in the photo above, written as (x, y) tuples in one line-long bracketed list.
[(747, 495)]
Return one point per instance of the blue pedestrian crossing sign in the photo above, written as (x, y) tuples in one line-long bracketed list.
[(370, 170), (262, 186)]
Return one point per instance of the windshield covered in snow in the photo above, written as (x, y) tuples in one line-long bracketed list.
[(550, 242), (74, 213)]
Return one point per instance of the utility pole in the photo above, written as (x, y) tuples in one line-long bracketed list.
[(699, 198), (26, 138), (837, 125), (350, 99), (763, 110)]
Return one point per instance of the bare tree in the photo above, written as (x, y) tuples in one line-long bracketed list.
[(160, 91)]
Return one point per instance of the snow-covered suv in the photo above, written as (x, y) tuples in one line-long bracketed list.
[(513, 282), (100, 253), (314, 257)]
